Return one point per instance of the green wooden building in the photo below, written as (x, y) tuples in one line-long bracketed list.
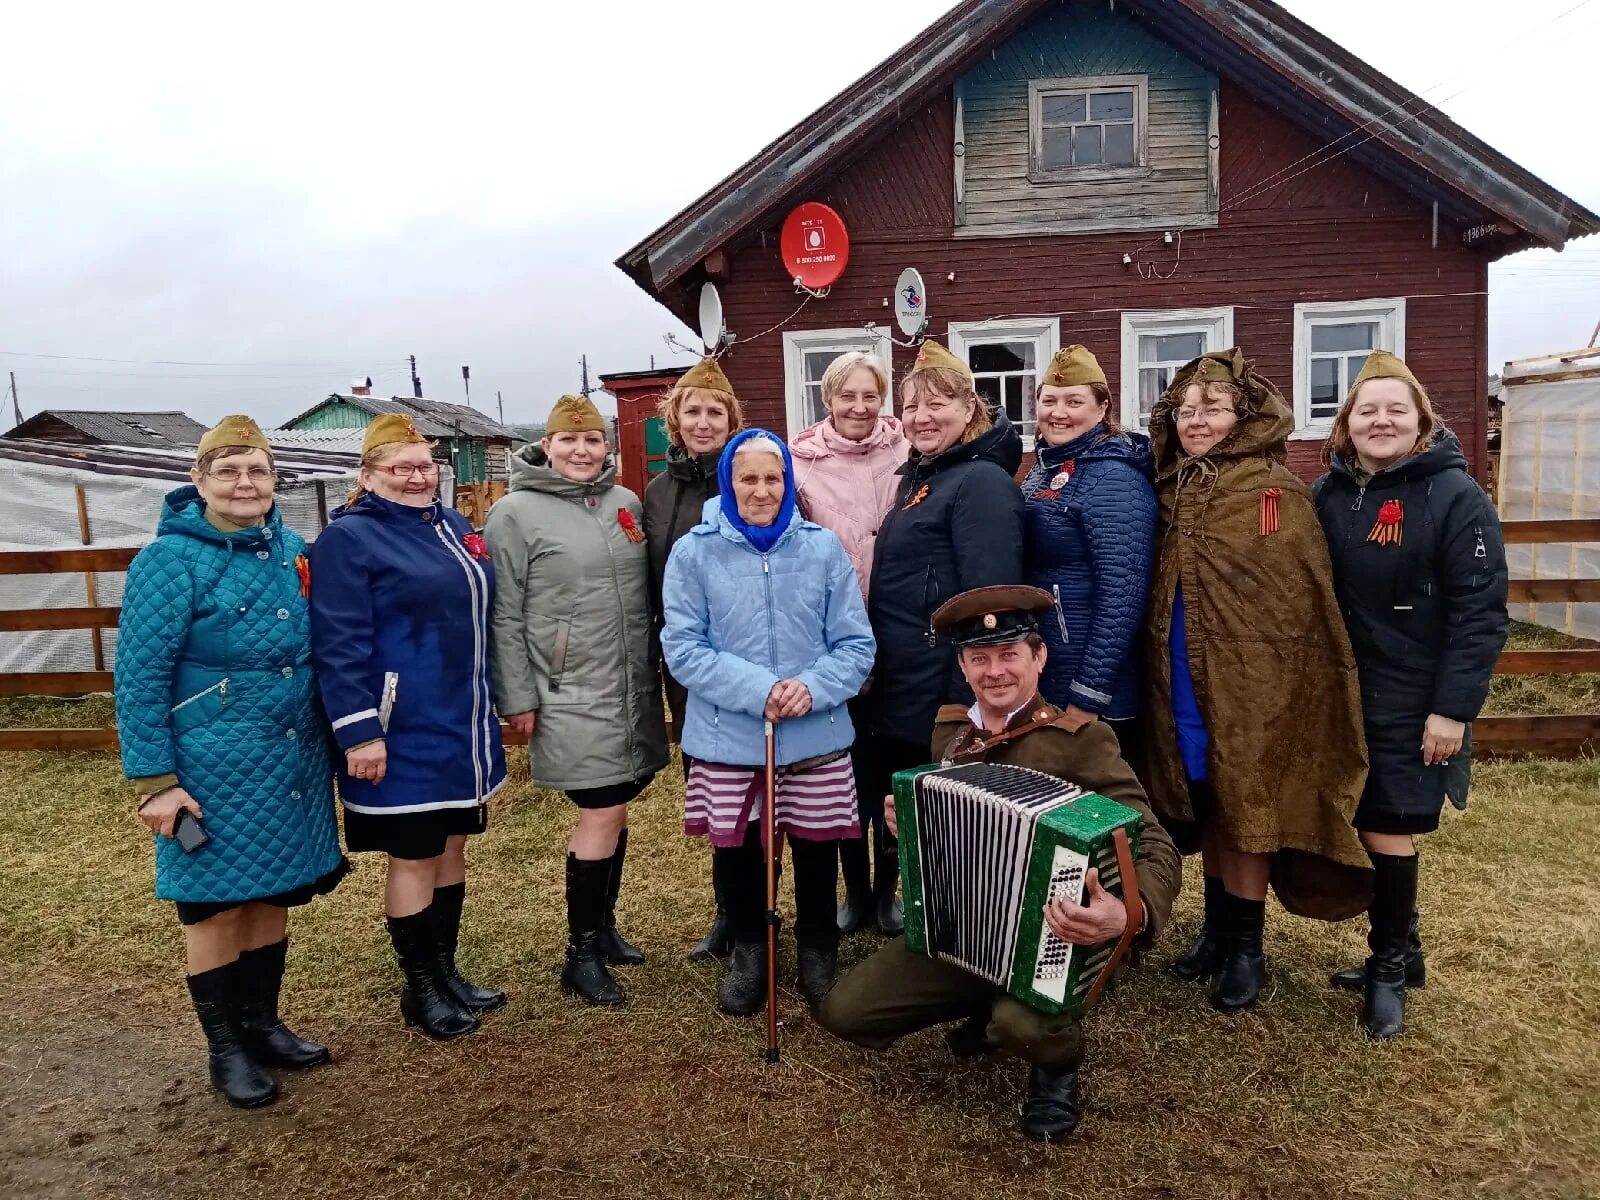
[(477, 447)]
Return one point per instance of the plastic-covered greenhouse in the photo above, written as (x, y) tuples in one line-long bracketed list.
[(1550, 470), (122, 492)]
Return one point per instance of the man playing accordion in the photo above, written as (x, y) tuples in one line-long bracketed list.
[(898, 991)]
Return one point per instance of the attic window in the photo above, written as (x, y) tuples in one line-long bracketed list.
[(1089, 123)]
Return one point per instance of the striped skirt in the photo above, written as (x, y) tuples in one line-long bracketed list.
[(817, 803)]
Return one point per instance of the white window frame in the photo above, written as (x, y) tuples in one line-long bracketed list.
[(1390, 316), (1043, 332), (1215, 323), (798, 343), (1039, 88)]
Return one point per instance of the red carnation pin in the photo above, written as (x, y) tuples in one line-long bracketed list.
[(629, 525), (1391, 519), (475, 546), (302, 568)]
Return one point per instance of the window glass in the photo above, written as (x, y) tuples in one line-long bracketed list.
[(1111, 106), (1063, 109), (1356, 335)]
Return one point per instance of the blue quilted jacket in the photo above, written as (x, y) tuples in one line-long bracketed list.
[(213, 678), (400, 605), (1088, 535)]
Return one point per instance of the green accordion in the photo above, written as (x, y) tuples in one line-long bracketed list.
[(983, 847)]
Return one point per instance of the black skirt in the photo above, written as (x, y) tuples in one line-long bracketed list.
[(192, 912), (1402, 795), (415, 835)]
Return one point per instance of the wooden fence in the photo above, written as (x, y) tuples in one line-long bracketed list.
[(1547, 735)]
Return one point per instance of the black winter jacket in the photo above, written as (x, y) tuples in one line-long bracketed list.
[(956, 524), (673, 501), (1427, 617)]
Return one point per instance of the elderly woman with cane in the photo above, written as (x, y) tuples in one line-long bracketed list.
[(765, 623), (221, 734)]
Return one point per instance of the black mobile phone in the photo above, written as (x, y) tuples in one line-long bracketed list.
[(188, 831)]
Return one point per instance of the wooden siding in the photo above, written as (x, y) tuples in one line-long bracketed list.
[(1173, 187), (1318, 230), (335, 416)]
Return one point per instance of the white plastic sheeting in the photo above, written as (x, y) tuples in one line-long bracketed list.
[(1550, 470), (39, 511)]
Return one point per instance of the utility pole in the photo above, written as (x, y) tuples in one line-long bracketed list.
[(466, 383), (583, 367), (416, 383), (501, 405), (16, 403)]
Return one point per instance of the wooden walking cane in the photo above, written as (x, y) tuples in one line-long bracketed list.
[(769, 824)]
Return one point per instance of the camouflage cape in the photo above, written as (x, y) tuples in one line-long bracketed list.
[(1274, 675)]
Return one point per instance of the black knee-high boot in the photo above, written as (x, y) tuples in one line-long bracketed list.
[(447, 902), (618, 951), (427, 1001), (1237, 984), (234, 1073), (718, 941), (744, 987), (586, 974), (1204, 955), (1354, 979), (1394, 898), (855, 864), (258, 981)]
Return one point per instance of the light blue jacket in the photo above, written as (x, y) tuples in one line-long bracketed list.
[(737, 622)]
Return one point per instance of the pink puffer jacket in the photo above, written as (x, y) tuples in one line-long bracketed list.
[(847, 486)]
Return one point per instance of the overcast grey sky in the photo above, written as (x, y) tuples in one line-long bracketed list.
[(314, 191)]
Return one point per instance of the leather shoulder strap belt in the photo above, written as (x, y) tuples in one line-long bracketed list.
[(1135, 908)]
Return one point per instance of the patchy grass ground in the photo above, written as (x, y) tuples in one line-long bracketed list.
[(102, 1090)]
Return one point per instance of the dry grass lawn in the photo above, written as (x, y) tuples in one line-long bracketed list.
[(1493, 1092)]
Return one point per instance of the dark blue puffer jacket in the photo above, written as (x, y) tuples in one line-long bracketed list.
[(1088, 536)]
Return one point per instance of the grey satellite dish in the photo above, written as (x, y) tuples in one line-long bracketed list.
[(712, 330), (910, 302)]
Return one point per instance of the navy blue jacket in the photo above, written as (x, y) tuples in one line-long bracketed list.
[(1088, 534), (400, 602), (956, 524)]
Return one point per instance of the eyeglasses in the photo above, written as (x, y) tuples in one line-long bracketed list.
[(408, 470), (257, 475), (1208, 414)]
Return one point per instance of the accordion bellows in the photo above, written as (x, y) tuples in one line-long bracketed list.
[(983, 847)]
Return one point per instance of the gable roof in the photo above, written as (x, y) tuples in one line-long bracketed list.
[(170, 428), (433, 418), (1255, 44)]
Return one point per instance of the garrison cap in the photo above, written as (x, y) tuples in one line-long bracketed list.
[(388, 430), (708, 374), (992, 616), (1073, 366), (574, 414), (232, 432), (1381, 364), (932, 355)]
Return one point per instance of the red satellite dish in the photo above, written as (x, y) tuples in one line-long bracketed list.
[(815, 245)]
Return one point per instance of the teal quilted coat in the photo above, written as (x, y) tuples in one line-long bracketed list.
[(214, 684)]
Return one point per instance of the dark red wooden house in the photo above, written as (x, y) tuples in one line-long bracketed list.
[(1152, 178)]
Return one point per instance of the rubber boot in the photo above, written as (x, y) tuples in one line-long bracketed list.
[(854, 862), (1237, 984), (1052, 1109), (426, 1001), (234, 1073), (585, 974), (616, 949), (887, 910), (744, 987), (718, 942), (1204, 955), (258, 980), (1394, 899), (970, 1039), (1354, 979), (447, 903)]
